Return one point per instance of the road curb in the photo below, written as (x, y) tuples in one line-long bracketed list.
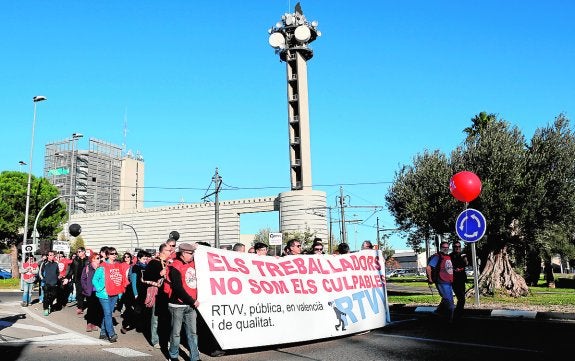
[(498, 313)]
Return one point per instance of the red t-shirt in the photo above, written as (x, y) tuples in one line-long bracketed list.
[(116, 281)]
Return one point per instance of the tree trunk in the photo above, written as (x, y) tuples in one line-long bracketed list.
[(499, 278), (14, 261)]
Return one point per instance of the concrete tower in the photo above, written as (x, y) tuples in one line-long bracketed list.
[(301, 207), (291, 37)]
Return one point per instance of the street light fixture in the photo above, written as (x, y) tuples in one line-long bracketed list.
[(34, 231), (121, 226), (36, 99), (21, 163)]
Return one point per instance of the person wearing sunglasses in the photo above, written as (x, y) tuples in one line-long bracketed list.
[(293, 247), (109, 282), (440, 272), (316, 247), (128, 298), (366, 245), (459, 261)]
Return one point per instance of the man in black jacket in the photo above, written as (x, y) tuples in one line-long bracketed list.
[(50, 274), (78, 265), (459, 262)]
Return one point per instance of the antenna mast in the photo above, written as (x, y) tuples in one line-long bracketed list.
[(125, 135)]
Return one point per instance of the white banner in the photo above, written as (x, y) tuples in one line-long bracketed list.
[(249, 300)]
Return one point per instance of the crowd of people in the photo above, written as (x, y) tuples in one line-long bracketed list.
[(156, 294)]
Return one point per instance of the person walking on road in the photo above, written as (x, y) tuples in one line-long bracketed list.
[(153, 276), (459, 262), (78, 266), (183, 301), (50, 273), (440, 272), (29, 273), (91, 304), (109, 282)]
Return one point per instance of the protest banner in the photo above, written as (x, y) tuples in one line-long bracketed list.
[(249, 300)]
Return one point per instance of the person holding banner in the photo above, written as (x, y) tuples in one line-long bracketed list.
[(366, 245), (239, 247), (293, 247), (261, 249), (183, 301)]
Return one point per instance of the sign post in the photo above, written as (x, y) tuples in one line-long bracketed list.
[(470, 227), (275, 239)]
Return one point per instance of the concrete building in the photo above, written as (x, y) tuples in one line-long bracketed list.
[(95, 180), (149, 227), (410, 260)]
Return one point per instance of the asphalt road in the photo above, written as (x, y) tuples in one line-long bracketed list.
[(25, 334)]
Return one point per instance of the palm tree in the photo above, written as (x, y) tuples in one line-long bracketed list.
[(480, 123)]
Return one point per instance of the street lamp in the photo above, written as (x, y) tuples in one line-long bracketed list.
[(36, 99), (34, 232), (21, 163), (75, 136), (121, 226)]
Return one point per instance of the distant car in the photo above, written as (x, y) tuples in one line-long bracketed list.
[(401, 272), (5, 274), (469, 271), (391, 273)]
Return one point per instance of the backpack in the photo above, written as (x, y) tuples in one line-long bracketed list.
[(435, 270)]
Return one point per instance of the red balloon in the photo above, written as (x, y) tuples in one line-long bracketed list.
[(465, 186)]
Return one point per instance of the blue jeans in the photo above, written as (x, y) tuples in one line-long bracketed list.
[(187, 316), (27, 295), (154, 339), (41, 294), (446, 292), (107, 326)]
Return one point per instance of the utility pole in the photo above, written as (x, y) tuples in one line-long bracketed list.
[(377, 234), (330, 244), (342, 207), (217, 181)]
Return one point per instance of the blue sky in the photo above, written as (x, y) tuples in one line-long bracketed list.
[(202, 88)]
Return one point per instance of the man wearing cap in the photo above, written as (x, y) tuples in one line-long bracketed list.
[(183, 301)]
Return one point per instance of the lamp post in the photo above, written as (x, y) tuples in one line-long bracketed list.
[(36, 99), (121, 225), (72, 195), (34, 241), (21, 163)]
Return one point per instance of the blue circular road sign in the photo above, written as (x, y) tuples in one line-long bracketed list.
[(470, 225)]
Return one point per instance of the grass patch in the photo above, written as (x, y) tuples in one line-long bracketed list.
[(10, 283), (541, 295)]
